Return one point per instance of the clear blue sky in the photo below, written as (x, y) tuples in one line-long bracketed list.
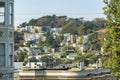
[(28, 9)]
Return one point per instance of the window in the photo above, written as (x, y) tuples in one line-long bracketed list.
[(11, 54), (11, 76), (11, 13), (2, 13), (10, 34), (2, 54), (1, 33)]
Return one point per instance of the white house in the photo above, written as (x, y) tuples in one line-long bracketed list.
[(34, 65), (71, 56)]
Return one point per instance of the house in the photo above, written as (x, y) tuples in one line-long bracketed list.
[(71, 56), (46, 29), (66, 37), (56, 30), (20, 29), (36, 29), (73, 38), (86, 39), (34, 65), (33, 37)]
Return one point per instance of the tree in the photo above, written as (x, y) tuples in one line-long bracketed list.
[(112, 39), (23, 24), (22, 56), (28, 43), (79, 58), (94, 41), (99, 23), (32, 22), (41, 21), (48, 59), (54, 43), (64, 54), (18, 36), (70, 27), (58, 61), (66, 61), (81, 40), (87, 58), (33, 59), (81, 30), (86, 28)]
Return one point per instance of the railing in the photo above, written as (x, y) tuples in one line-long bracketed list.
[(100, 74)]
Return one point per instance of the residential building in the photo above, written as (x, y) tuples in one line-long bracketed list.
[(6, 39), (56, 30), (36, 29), (71, 56), (86, 39), (66, 37), (19, 29), (46, 29), (33, 37), (73, 38)]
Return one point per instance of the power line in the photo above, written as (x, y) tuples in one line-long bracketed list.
[(59, 13)]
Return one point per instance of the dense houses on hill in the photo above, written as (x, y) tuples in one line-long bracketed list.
[(70, 45)]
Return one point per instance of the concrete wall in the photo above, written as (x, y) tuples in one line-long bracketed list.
[(102, 74)]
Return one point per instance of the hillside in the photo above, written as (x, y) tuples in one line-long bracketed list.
[(68, 25), (53, 21)]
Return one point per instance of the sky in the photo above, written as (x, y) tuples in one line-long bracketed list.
[(28, 9)]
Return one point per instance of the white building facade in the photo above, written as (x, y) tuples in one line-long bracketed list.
[(6, 39)]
